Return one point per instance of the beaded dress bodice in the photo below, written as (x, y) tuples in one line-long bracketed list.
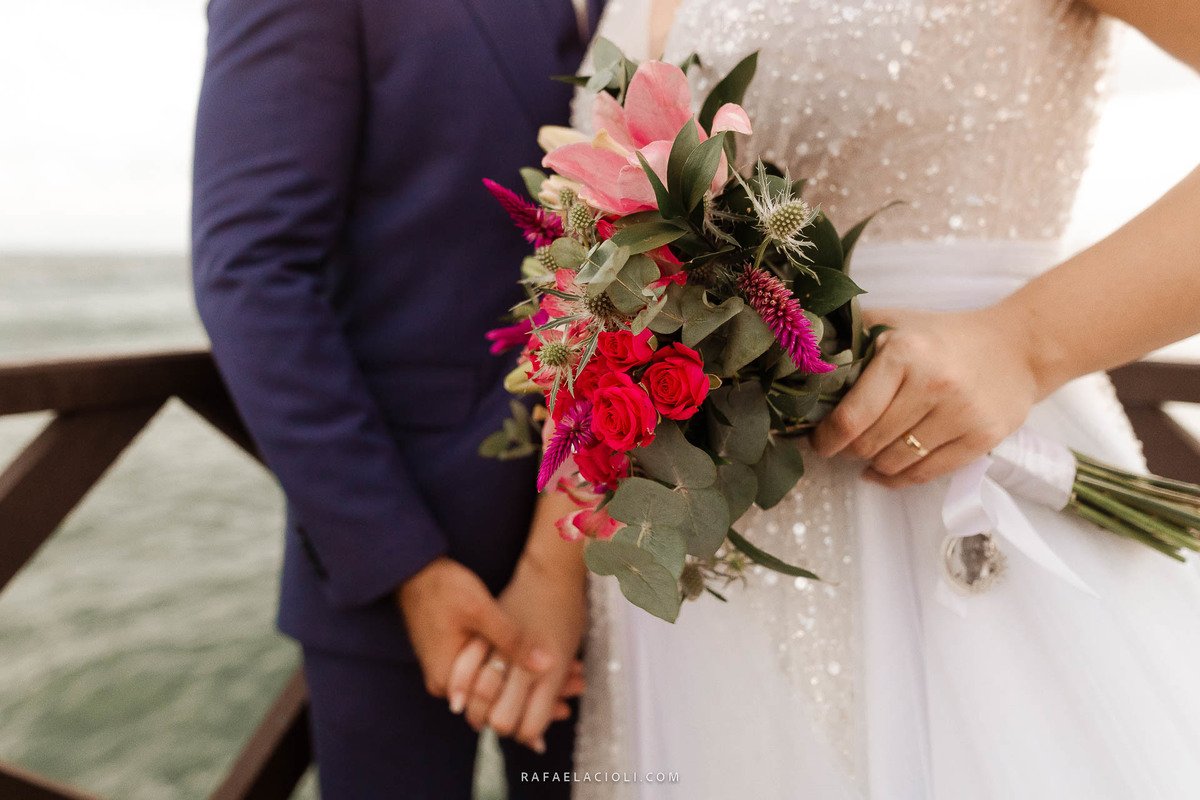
[(976, 113)]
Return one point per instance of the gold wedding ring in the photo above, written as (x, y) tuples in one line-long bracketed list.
[(498, 665), (915, 444)]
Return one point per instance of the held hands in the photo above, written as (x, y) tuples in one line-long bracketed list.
[(515, 701), (445, 606), (942, 390)]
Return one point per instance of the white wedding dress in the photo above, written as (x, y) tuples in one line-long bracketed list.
[(871, 683)]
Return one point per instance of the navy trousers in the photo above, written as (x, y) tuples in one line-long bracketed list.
[(380, 736)]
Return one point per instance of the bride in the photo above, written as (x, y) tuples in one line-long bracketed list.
[(887, 679)]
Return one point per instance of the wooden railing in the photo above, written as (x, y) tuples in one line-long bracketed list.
[(100, 405)]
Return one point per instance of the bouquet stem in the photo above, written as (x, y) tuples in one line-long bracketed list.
[(1161, 513)]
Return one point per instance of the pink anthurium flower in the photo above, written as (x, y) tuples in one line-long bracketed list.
[(658, 104)]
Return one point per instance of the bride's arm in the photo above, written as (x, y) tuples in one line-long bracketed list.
[(1174, 25)]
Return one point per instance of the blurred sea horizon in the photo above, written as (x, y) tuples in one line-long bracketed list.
[(138, 647)]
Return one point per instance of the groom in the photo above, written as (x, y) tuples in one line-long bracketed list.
[(347, 265)]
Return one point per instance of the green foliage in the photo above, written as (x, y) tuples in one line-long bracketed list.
[(644, 581), (739, 422), (515, 439), (568, 253), (736, 345), (628, 290), (739, 486), (780, 468), (706, 521), (852, 236), (646, 236), (673, 460), (731, 89), (533, 178), (763, 558), (827, 250), (825, 290)]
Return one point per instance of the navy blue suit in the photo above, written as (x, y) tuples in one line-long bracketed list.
[(347, 264)]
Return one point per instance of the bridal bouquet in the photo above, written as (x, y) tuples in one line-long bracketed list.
[(685, 324)]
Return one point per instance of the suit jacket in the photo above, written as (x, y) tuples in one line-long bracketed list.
[(347, 263)]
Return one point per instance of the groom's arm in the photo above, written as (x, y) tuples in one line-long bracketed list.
[(276, 139)]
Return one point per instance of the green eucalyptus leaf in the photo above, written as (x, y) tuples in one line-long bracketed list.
[(674, 460), (706, 522), (628, 290), (644, 582), (701, 317), (738, 486), (602, 267), (745, 407), (665, 544), (795, 405), (568, 253), (828, 291), (533, 178), (738, 343), (647, 236), (645, 318), (827, 251), (670, 317), (778, 471), (731, 89), (765, 559), (643, 503)]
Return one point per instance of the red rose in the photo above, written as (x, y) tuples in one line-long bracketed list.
[(622, 415), (602, 466), (676, 381), (585, 384), (624, 351)]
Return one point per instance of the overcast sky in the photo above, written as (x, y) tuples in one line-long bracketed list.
[(97, 99)]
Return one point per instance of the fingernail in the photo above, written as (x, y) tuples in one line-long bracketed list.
[(539, 747), (458, 702)]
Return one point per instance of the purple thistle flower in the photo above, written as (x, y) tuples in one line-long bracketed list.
[(539, 227), (573, 432), (783, 314)]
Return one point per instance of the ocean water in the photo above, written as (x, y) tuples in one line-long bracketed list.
[(138, 645)]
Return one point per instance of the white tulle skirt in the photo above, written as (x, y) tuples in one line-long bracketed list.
[(869, 684)]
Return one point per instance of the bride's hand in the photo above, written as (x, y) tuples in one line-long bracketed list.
[(549, 605), (942, 390)]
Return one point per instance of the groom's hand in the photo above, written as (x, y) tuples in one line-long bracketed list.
[(444, 606)]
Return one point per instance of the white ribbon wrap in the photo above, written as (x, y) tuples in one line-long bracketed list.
[(978, 500)]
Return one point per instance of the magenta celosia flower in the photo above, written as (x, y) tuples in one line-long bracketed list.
[(658, 104), (510, 336), (539, 226), (571, 433), (774, 302)]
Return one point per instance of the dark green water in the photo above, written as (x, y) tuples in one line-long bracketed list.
[(137, 650)]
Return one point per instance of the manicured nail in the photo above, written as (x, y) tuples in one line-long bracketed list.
[(458, 701)]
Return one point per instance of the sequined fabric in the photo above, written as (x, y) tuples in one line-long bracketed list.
[(976, 113)]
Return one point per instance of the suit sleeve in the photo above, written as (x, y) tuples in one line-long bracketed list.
[(277, 132)]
